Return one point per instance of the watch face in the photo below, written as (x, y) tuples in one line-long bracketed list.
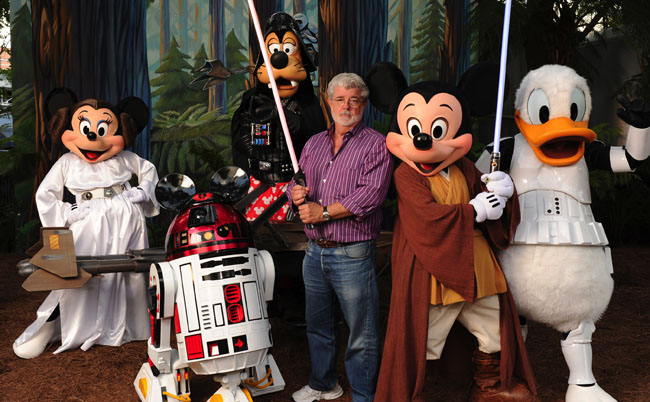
[(326, 215)]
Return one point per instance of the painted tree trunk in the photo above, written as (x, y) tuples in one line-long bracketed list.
[(165, 35), (183, 9), (107, 62), (404, 36), (454, 55), (217, 51), (352, 37)]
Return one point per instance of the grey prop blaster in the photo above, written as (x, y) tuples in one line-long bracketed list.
[(56, 266)]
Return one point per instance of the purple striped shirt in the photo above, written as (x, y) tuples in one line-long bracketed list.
[(358, 177)]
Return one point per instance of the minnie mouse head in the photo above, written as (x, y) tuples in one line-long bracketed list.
[(93, 129), (431, 123)]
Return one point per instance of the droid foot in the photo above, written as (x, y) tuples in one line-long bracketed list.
[(37, 344), (487, 382), (591, 393)]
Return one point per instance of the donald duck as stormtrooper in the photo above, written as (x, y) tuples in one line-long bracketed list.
[(559, 266)]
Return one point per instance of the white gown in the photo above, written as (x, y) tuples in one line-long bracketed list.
[(111, 310)]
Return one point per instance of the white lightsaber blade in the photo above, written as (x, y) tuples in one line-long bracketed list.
[(496, 154), (274, 87)]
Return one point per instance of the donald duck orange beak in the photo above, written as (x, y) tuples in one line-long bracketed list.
[(558, 142)]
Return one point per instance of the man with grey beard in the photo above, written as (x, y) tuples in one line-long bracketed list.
[(347, 170)]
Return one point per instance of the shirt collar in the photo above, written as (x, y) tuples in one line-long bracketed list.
[(355, 130)]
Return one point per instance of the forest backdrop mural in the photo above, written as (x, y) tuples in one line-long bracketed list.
[(153, 48)]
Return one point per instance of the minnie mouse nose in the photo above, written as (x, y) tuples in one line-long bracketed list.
[(92, 136), (422, 141), (279, 60)]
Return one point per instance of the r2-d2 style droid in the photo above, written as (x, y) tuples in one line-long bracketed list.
[(212, 292)]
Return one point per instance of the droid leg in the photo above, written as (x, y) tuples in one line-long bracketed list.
[(230, 390), (576, 348), (154, 386), (264, 378)]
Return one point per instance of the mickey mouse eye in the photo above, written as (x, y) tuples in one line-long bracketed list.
[(289, 48), (102, 129), (413, 127), (578, 104), (539, 108), (84, 126), (274, 47), (439, 128)]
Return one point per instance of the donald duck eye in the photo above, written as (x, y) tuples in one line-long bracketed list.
[(539, 108), (578, 104), (413, 127)]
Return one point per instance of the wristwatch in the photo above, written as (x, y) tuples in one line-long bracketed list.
[(326, 215)]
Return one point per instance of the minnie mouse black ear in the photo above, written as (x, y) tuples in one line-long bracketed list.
[(229, 184), (386, 82), (480, 85), (137, 109), (58, 98), (174, 191)]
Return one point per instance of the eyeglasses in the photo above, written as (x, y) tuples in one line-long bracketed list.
[(353, 101)]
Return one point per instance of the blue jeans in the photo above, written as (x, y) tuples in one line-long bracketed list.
[(347, 273)]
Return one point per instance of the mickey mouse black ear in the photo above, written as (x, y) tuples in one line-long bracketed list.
[(480, 85), (386, 82), (57, 99), (174, 191), (229, 184)]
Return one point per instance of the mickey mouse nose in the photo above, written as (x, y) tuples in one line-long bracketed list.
[(422, 141), (279, 60)]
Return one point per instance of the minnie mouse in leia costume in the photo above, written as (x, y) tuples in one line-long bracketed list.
[(107, 218)]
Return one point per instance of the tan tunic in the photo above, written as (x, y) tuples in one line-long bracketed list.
[(487, 272)]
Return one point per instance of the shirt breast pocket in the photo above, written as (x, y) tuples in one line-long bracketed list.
[(346, 182)]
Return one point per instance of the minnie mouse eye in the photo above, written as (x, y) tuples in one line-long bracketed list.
[(102, 129), (413, 127), (84, 127)]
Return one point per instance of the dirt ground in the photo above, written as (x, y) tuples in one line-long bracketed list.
[(620, 344)]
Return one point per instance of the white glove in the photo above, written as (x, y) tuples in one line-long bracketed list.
[(77, 212), (499, 183), (136, 194), (488, 206)]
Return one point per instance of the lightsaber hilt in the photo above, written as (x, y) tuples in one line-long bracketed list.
[(300, 179), (495, 161)]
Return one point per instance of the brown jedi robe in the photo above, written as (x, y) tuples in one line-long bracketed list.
[(433, 239)]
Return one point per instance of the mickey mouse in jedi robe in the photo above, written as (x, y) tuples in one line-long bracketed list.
[(107, 217), (558, 265), (443, 266)]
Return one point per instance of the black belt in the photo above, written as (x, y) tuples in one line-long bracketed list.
[(328, 244)]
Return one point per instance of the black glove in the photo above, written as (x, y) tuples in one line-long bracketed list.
[(636, 109)]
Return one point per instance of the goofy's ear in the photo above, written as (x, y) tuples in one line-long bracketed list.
[(58, 98), (137, 109), (386, 83), (480, 85)]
